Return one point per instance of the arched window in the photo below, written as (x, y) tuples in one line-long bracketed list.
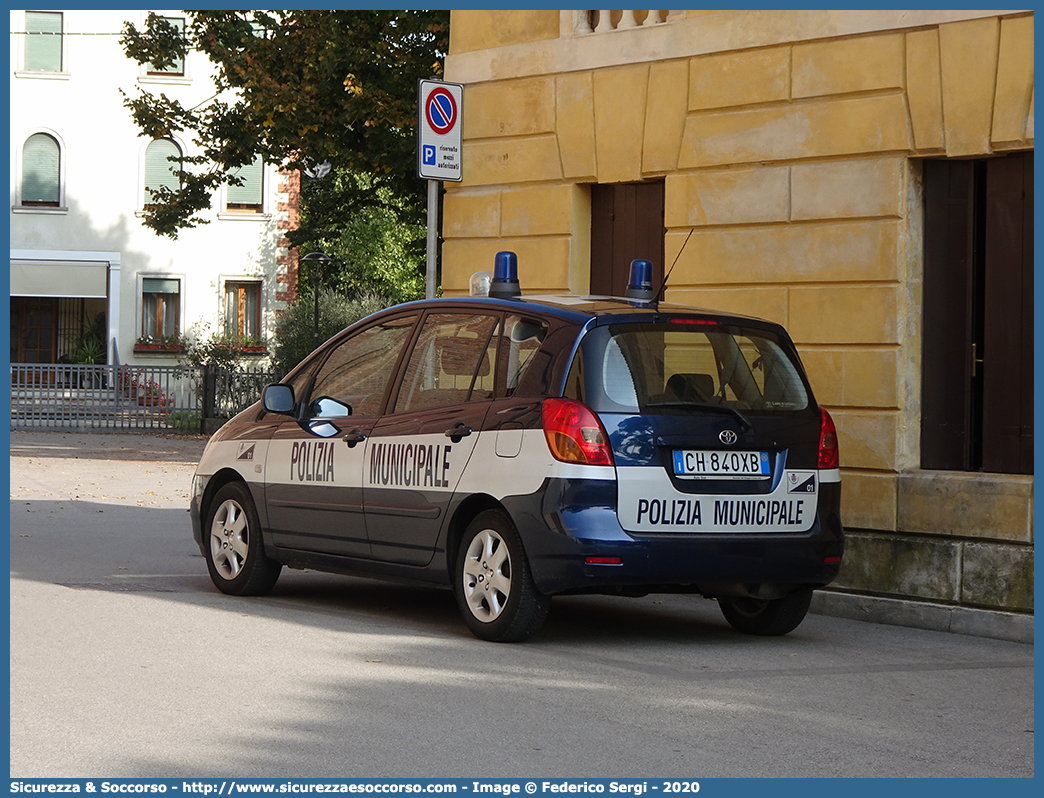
[(41, 171), (160, 170)]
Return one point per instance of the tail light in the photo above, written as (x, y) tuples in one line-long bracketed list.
[(828, 451), (574, 434)]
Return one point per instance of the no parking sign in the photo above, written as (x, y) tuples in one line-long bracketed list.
[(438, 130)]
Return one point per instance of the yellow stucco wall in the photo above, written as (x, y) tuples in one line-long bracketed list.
[(482, 30), (788, 143)]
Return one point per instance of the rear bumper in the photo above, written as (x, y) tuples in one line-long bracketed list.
[(572, 524)]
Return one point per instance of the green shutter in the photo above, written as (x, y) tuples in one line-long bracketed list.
[(43, 41), (40, 162), (159, 171), (250, 192), (159, 285)]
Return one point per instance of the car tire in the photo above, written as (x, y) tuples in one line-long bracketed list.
[(493, 582), (766, 617), (233, 547)]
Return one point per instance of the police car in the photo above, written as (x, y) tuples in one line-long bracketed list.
[(516, 448)]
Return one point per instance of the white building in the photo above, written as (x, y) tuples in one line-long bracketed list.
[(80, 171)]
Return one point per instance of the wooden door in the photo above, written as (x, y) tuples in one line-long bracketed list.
[(1007, 400), (977, 358), (626, 223), (34, 329)]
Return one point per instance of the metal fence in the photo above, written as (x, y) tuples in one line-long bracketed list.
[(228, 392), (167, 398)]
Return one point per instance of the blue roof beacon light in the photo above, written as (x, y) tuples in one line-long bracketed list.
[(505, 276), (639, 284)]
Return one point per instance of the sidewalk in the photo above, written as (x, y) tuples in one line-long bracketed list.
[(144, 446)]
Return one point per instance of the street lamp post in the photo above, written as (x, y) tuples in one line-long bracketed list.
[(324, 259), (316, 171)]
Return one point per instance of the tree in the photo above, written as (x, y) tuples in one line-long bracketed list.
[(295, 335), (298, 88), (373, 251)]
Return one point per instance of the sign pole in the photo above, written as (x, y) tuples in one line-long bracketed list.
[(433, 228), (438, 154)]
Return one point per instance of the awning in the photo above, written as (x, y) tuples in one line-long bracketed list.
[(59, 278)]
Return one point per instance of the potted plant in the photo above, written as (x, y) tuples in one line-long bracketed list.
[(150, 395), (250, 345), (90, 352), (163, 343)]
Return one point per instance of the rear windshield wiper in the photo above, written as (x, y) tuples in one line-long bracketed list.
[(681, 405)]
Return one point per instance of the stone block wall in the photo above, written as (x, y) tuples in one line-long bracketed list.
[(789, 143)]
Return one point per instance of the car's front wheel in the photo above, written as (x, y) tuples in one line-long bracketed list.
[(495, 590), (766, 617), (234, 550)]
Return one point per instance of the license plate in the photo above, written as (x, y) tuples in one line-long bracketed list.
[(721, 465)]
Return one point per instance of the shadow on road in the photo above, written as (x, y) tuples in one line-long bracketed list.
[(84, 546)]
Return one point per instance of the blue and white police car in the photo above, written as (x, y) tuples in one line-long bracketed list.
[(517, 448)]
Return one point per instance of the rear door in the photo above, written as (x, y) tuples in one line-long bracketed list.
[(713, 426), (417, 452)]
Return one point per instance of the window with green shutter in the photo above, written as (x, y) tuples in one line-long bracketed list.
[(178, 67), (160, 307), (43, 41), (160, 170), (41, 171), (248, 196)]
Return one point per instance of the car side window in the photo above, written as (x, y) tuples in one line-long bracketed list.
[(522, 340), (453, 354), (358, 370), (299, 382)]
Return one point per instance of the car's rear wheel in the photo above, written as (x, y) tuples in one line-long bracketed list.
[(233, 548), (766, 617), (495, 590)]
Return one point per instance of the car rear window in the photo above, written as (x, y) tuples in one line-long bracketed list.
[(676, 367)]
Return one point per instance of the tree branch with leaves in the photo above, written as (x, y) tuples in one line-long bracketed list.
[(298, 88)]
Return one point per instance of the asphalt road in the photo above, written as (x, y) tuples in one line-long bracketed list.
[(126, 662)]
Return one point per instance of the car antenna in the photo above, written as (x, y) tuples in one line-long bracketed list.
[(658, 296)]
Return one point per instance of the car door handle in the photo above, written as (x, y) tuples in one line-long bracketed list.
[(459, 432), (354, 437)]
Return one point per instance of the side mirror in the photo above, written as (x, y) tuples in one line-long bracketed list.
[(278, 399)]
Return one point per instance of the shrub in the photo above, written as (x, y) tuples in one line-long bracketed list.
[(295, 330)]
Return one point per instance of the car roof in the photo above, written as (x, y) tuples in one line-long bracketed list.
[(582, 309)]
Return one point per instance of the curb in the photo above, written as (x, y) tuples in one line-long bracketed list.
[(1011, 626)]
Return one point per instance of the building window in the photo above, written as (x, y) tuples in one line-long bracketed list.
[(162, 162), (248, 197), (160, 307), (41, 171), (43, 41), (243, 310), (177, 68)]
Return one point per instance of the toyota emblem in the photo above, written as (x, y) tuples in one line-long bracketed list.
[(727, 436)]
